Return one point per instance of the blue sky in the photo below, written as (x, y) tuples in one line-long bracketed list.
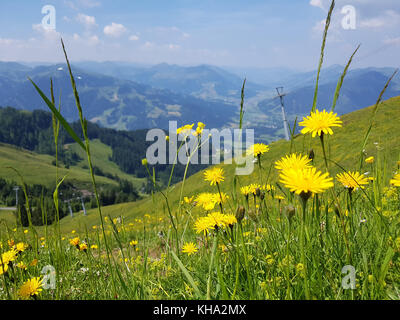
[(252, 33)]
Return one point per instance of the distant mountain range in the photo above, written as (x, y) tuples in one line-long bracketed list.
[(361, 87), (131, 96), (109, 101), (203, 81)]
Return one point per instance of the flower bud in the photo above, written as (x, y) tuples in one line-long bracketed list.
[(290, 211), (311, 154), (240, 213)]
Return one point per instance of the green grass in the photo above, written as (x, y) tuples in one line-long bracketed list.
[(38, 169)]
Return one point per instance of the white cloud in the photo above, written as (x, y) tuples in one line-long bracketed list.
[(74, 5), (48, 34), (89, 3), (134, 38), (317, 3), (114, 30), (395, 41), (172, 46), (389, 18), (148, 44), (87, 21)]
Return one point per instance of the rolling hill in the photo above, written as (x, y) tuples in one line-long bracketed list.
[(39, 168)]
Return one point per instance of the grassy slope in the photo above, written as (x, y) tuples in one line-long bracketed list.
[(345, 150), (100, 158), (38, 169)]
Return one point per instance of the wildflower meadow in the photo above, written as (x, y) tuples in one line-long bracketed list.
[(301, 226)]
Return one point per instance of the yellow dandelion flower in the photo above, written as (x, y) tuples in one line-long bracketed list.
[(83, 247), (199, 129), (3, 268), (21, 265), (34, 263), (245, 190), (31, 288), (253, 188), (94, 246), (396, 180), (320, 123), (214, 176), (144, 162), (268, 187), (189, 248), (185, 130), (306, 181), (370, 160), (217, 218), (220, 198), (293, 161), (279, 197), (206, 200), (133, 243), (74, 241), (204, 225), (9, 256), (21, 247), (352, 180), (188, 200), (257, 149), (229, 219)]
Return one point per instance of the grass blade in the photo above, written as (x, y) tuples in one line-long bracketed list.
[(374, 111), (340, 81), (59, 116), (321, 59), (186, 273)]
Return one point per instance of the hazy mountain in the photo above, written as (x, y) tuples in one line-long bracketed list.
[(267, 77), (203, 81), (110, 101), (361, 88)]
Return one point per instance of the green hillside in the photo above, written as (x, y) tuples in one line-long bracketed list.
[(382, 144), (101, 159), (38, 168)]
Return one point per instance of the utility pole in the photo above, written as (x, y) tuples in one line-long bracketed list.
[(83, 206), (69, 207), (279, 90), (16, 188)]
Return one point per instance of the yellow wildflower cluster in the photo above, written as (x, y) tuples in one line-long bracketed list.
[(208, 200), (214, 220)]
